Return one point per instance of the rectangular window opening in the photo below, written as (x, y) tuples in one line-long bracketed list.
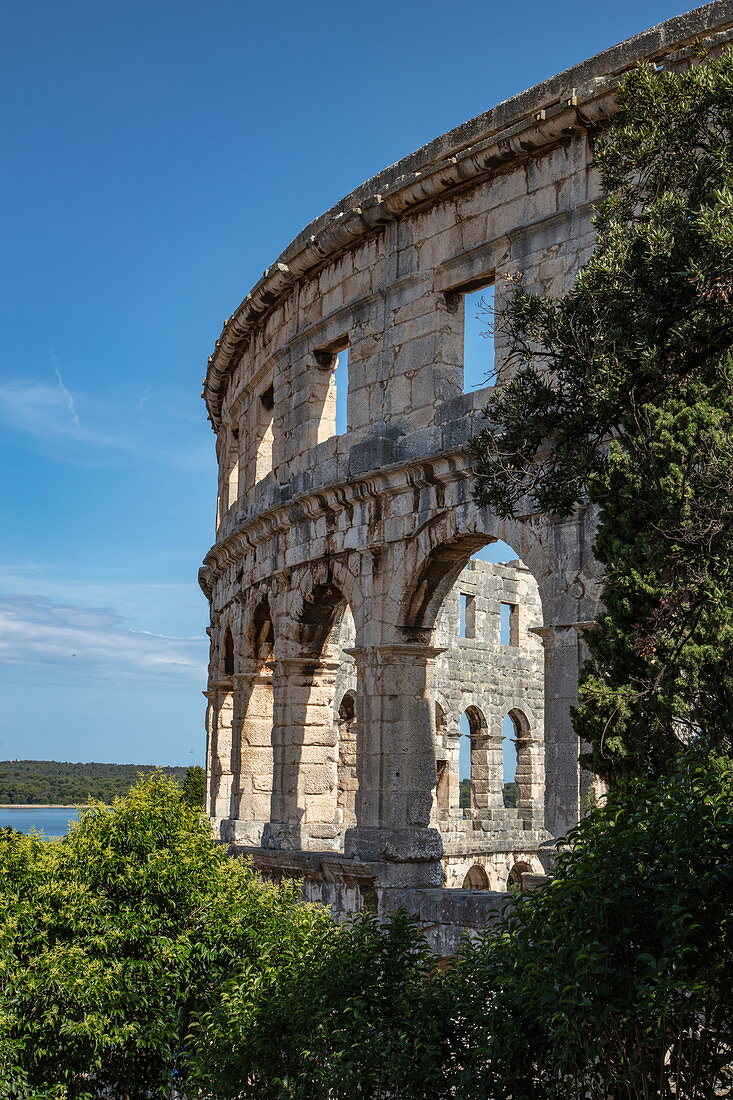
[(467, 626), (509, 624), (479, 367), (333, 371), (233, 486), (341, 382), (264, 409)]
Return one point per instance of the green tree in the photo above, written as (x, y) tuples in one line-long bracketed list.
[(612, 983), (194, 787), (622, 393), (114, 939), (348, 1016)]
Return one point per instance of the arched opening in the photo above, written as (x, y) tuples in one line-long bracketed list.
[(254, 717), (509, 735), (473, 760), (528, 781), (221, 755), (320, 620), (316, 727), (514, 878), (476, 879), (476, 600), (262, 434)]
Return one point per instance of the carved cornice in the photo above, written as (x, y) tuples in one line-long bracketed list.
[(571, 102), (328, 500)]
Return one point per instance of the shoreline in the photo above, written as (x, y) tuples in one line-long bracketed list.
[(44, 806)]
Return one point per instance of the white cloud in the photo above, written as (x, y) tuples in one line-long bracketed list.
[(49, 413), (88, 431), (74, 416), (94, 643)]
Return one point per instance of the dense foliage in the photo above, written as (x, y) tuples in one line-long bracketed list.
[(114, 938), (615, 981), (136, 955), (51, 783), (622, 392), (194, 786)]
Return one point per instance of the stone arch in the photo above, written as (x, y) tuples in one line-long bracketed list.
[(435, 558), (438, 571), (477, 739), (476, 720), (221, 750), (517, 870), (476, 878), (261, 633), (315, 749), (313, 604), (529, 772), (252, 741)]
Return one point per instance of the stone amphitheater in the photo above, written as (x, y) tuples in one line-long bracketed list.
[(354, 630)]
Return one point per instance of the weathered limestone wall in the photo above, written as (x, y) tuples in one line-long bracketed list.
[(380, 520)]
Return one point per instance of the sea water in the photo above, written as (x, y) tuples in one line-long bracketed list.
[(52, 821)]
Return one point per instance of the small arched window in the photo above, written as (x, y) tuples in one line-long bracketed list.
[(476, 879)]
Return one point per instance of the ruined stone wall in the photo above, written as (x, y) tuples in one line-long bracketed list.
[(380, 519)]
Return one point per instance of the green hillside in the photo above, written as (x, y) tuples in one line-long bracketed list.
[(50, 783)]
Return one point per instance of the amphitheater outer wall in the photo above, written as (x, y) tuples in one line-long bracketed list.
[(381, 518)]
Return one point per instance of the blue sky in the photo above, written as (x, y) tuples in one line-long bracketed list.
[(157, 157)]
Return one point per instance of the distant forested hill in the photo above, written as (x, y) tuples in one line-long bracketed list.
[(50, 783)]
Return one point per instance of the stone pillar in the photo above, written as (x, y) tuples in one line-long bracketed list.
[(453, 738), (482, 767), (253, 755), (529, 778), (396, 764), (304, 739), (221, 712), (563, 659)]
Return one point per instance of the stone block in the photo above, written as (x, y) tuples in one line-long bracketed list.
[(371, 454)]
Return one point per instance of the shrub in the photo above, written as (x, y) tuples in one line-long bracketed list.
[(114, 938), (615, 981)]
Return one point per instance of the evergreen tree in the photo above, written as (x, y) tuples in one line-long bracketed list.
[(194, 787), (622, 394)]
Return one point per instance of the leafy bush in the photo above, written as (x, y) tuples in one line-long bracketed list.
[(615, 981), (194, 787), (135, 955), (114, 938), (344, 1016)]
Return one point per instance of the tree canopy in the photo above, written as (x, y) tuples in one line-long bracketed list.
[(53, 783), (138, 958)]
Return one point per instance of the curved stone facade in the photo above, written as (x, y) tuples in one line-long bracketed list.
[(337, 555)]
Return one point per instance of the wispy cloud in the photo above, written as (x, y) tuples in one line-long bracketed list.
[(50, 414), (88, 431), (69, 399), (94, 643)]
